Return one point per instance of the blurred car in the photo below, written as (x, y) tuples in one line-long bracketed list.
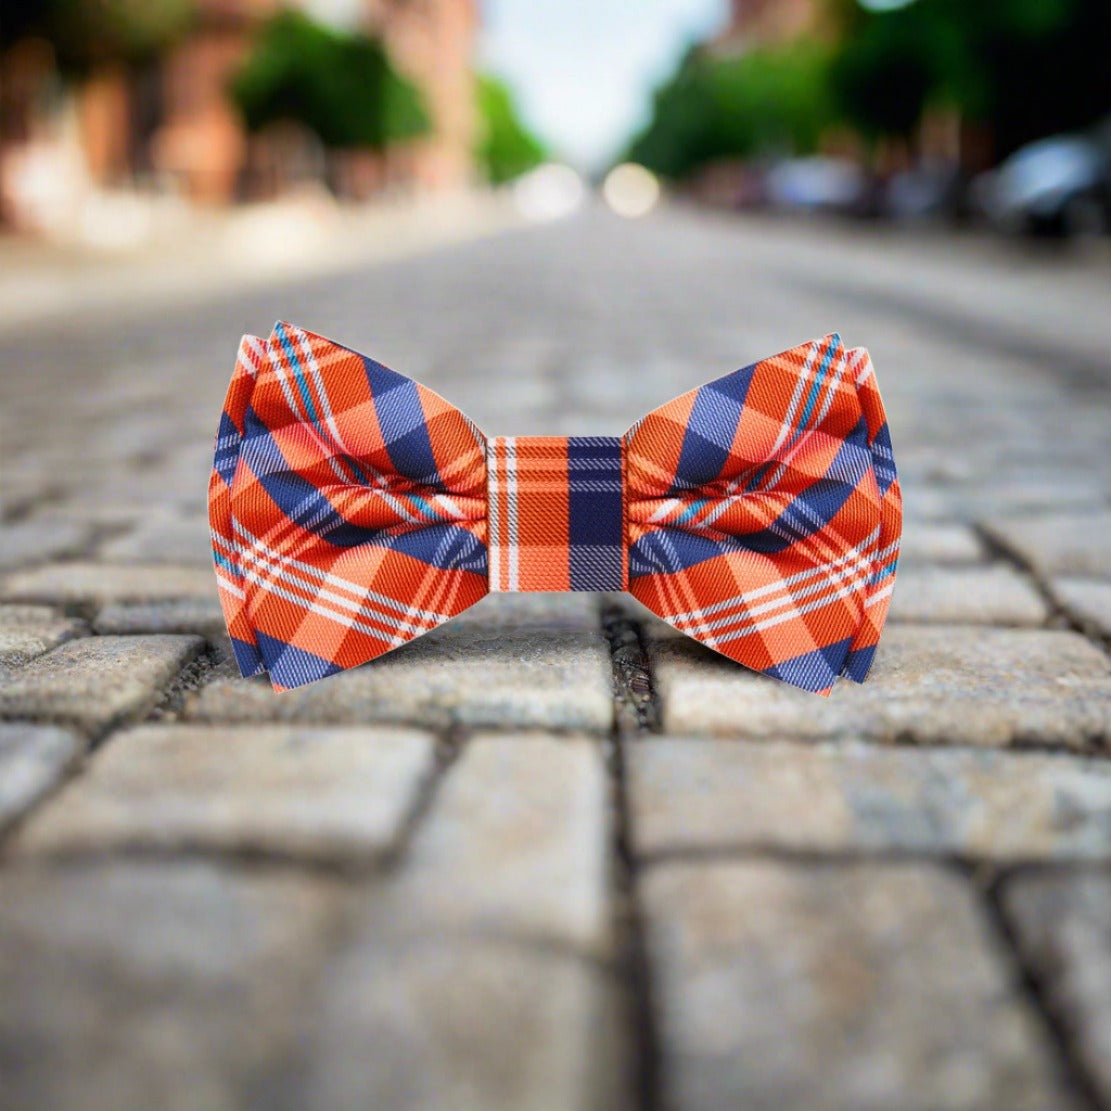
[(932, 189), (1055, 186), (817, 184)]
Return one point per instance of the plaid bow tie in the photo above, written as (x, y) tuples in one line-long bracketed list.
[(353, 509)]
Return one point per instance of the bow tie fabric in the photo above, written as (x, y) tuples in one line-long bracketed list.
[(353, 509)]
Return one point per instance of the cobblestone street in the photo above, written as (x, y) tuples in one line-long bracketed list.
[(553, 855)]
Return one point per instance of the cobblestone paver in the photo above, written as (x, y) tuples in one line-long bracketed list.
[(1060, 922), (931, 684), (883, 979), (554, 855), (32, 759), (319, 793)]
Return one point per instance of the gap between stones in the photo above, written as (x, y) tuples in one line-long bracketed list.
[(1058, 615), (1033, 987), (636, 712)]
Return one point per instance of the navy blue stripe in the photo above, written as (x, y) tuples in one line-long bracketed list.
[(813, 671), (884, 460), (711, 429), (404, 429), (595, 513), (227, 455)]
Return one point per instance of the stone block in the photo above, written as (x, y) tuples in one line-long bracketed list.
[(314, 793), (1060, 921), (987, 595), (490, 674), (156, 984), (103, 583), (29, 631), (837, 986), (1071, 544), (33, 758), (96, 681), (1086, 601), (954, 684), (695, 795)]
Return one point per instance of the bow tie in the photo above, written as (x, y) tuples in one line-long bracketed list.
[(353, 509)]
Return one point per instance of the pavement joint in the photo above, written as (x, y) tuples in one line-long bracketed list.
[(636, 711), (996, 548), (630, 929), (636, 703), (665, 856), (1073, 1068)]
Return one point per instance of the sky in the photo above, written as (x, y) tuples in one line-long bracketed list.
[(583, 72)]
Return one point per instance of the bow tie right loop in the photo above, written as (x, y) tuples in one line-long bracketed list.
[(757, 522)]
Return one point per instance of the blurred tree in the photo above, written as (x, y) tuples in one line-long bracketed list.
[(505, 148), (85, 33), (340, 85), (886, 69), (768, 101), (1026, 67)]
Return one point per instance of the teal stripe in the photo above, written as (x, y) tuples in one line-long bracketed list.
[(886, 572), (298, 374), (690, 511), (427, 508), (224, 562), (816, 388)]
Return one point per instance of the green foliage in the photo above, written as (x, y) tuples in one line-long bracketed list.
[(764, 102), (338, 84), (86, 32), (505, 148), (1027, 66), (889, 66)]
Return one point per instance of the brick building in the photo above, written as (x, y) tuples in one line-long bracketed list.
[(759, 22), (172, 120)]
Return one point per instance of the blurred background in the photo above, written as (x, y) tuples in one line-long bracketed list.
[(121, 120)]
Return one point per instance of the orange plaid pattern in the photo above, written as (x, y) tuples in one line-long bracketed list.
[(353, 509)]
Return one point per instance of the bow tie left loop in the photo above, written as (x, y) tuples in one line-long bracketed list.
[(347, 506)]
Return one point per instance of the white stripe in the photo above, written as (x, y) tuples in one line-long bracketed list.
[(880, 595), (789, 615), (801, 438), (383, 483), (843, 577), (303, 603), (861, 359), (275, 571), (664, 510), (264, 553), (268, 582), (493, 516), (309, 359), (230, 587), (788, 420), (511, 500), (255, 345), (891, 549), (796, 397), (449, 505), (856, 554), (289, 394)]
